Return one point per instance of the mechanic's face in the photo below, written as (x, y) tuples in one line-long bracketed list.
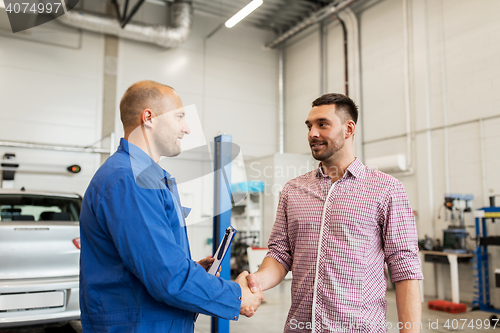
[(171, 126), (326, 132)]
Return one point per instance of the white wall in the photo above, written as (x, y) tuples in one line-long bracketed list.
[(51, 94), (51, 91), (452, 73), (302, 86), (232, 81)]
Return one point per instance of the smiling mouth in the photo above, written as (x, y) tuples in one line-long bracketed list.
[(317, 146)]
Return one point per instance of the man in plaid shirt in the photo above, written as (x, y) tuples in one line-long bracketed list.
[(336, 229)]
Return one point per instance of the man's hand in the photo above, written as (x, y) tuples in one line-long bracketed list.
[(249, 301), (254, 283), (207, 262)]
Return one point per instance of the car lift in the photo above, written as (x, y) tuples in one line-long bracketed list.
[(222, 211)]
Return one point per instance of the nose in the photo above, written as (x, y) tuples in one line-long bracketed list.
[(185, 127), (313, 132)]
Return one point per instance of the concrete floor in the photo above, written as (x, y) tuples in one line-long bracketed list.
[(271, 316)]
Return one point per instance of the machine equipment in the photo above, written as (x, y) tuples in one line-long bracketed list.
[(481, 262), (454, 237)]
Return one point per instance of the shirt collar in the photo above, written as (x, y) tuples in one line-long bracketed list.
[(355, 169), (140, 161)]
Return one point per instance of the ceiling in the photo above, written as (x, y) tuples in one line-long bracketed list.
[(275, 15)]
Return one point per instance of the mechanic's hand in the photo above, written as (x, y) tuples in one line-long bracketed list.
[(207, 262), (249, 301)]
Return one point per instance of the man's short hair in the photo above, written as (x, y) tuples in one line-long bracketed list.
[(139, 96), (343, 103)]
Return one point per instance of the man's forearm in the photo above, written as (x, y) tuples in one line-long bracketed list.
[(409, 305), (270, 273)]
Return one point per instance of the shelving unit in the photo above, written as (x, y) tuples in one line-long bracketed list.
[(246, 217), (481, 263)]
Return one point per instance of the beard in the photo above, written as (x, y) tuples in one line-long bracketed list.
[(329, 149)]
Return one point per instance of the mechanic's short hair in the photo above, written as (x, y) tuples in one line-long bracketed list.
[(139, 96)]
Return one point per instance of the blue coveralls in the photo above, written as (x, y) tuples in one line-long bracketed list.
[(136, 271)]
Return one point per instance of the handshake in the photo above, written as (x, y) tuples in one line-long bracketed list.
[(251, 289), (251, 293)]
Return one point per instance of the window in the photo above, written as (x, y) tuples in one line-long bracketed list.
[(27, 207)]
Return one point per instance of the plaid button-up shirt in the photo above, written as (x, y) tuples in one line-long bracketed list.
[(336, 239)]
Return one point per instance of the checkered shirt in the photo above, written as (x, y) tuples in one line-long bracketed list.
[(360, 224)]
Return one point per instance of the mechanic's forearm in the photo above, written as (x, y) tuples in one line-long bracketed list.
[(270, 273), (409, 305)]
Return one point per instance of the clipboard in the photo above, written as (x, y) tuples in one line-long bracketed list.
[(221, 253), (222, 250)]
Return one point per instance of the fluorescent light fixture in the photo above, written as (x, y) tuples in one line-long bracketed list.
[(243, 13)]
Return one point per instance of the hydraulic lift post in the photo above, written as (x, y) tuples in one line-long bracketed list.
[(222, 211)]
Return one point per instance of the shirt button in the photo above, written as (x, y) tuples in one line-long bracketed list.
[(235, 317), (239, 298)]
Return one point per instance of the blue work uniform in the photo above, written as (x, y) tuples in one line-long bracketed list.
[(136, 271)]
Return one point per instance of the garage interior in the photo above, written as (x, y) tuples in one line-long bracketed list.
[(423, 73)]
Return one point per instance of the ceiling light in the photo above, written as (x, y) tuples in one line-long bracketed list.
[(243, 13)]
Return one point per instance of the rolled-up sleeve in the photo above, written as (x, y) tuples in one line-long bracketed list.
[(279, 242), (400, 236)]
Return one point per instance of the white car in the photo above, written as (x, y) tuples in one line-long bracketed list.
[(39, 257)]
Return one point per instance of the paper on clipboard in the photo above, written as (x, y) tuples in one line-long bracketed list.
[(222, 250), (220, 253)]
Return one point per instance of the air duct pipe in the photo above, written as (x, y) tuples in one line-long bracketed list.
[(167, 37), (313, 19)]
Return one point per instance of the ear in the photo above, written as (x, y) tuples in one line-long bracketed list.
[(350, 128), (147, 118)]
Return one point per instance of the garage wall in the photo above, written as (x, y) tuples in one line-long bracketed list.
[(439, 59), (50, 93), (51, 88), (302, 86), (232, 82), (230, 78)]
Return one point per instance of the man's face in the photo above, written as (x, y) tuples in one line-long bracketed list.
[(326, 132), (170, 126)]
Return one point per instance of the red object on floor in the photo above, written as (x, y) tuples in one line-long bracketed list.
[(447, 306)]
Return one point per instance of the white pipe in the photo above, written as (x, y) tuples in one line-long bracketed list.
[(428, 119), (445, 106), (322, 58), (112, 143), (354, 79), (437, 128), (312, 19), (483, 163), (53, 147), (281, 99), (167, 37), (409, 152)]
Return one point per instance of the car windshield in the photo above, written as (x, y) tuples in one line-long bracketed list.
[(26, 207)]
